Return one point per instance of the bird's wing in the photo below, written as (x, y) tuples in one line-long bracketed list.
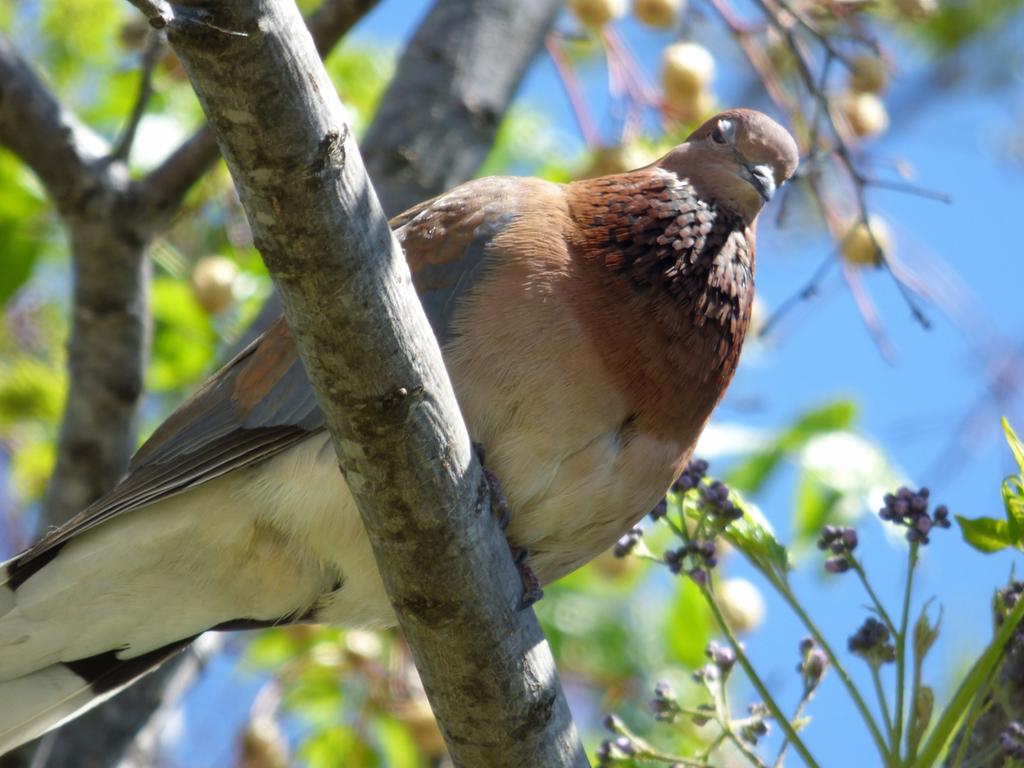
[(261, 402)]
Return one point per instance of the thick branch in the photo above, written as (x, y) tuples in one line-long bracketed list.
[(165, 187), (45, 135), (379, 377), (421, 142), (107, 355)]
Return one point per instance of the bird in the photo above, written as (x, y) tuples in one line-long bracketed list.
[(589, 329)]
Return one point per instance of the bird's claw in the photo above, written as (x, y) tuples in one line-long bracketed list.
[(499, 504), (532, 591)]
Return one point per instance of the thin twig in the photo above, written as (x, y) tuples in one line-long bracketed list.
[(809, 291), (567, 76), (150, 55)]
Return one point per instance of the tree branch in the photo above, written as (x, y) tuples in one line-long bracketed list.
[(48, 138), (420, 145), (379, 377), (166, 185)]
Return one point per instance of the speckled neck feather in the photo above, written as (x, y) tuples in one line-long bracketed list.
[(666, 291), (653, 228)]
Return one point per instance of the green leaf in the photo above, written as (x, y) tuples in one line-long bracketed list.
[(271, 648), (925, 633), (395, 744), (831, 417), (947, 723), (1013, 501), (986, 534), (751, 474), (752, 534), (1015, 444), (689, 625), (816, 504)]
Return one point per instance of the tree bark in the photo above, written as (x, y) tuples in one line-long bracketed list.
[(379, 378)]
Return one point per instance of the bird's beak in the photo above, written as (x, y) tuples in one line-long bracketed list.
[(761, 178)]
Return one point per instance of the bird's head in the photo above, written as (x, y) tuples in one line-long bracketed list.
[(740, 155)]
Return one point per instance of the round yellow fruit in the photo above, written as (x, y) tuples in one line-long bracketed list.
[(597, 13), (686, 71), (264, 745), (658, 13), (691, 108), (867, 74), (213, 283), (917, 9), (857, 247), (741, 604), (865, 113), (605, 161)]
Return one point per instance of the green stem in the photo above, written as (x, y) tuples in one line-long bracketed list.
[(647, 751), (844, 676), (744, 748), (879, 608), (914, 734), (876, 676), (901, 651), (797, 713), (713, 745), (762, 690), (978, 707)]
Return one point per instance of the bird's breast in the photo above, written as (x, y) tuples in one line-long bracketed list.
[(570, 445)]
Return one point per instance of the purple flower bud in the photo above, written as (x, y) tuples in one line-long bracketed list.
[(612, 723), (849, 539), (814, 668), (659, 511), (663, 690), (837, 565), (923, 524), (699, 576), (625, 745)]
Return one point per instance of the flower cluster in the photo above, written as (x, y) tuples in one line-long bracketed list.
[(695, 472), (664, 706), (613, 750), (722, 656), (813, 662), (1006, 599), (716, 501), (873, 642), (840, 542), (1011, 741), (628, 541), (910, 509), (695, 558), (757, 726)]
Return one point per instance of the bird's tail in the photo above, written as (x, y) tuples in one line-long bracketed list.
[(35, 703), (42, 699)]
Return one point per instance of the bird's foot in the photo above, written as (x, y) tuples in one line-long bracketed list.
[(532, 591), (499, 504)]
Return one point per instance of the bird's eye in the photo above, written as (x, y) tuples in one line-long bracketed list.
[(722, 133)]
